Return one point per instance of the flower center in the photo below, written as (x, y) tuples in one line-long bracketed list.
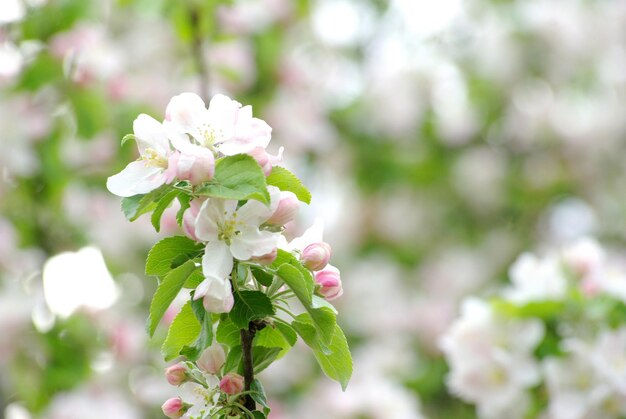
[(154, 159), (228, 229)]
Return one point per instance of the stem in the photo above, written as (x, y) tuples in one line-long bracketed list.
[(248, 365), (196, 49)]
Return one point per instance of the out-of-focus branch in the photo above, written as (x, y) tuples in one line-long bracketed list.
[(197, 46)]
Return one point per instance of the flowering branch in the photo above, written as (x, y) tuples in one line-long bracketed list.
[(236, 265)]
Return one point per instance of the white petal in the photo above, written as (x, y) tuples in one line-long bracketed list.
[(255, 212), (253, 242), (219, 297), (313, 234), (247, 137), (187, 110), (135, 179), (150, 133), (217, 261), (211, 213)]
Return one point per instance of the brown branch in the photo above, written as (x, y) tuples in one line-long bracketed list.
[(248, 365)]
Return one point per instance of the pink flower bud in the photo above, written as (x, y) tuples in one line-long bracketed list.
[(212, 359), (316, 256), (174, 408), (329, 282), (176, 374), (260, 155), (189, 219), (232, 383), (287, 209), (196, 165), (267, 258)]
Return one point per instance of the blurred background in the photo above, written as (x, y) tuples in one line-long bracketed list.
[(440, 139)]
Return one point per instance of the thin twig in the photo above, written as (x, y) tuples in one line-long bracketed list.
[(197, 47)]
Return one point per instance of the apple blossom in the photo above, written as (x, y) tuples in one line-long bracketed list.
[(316, 256), (536, 279), (231, 383), (329, 281), (152, 169), (193, 163), (224, 127), (230, 232), (212, 359), (176, 374), (287, 209), (174, 408)]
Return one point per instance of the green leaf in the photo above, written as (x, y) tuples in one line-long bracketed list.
[(185, 201), (540, 309), (167, 290), (261, 276), (257, 414), (205, 339), (284, 180), (250, 305), (337, 364), (227, 333), (194, 279), (164, 253), (134, 206), (127, 137), (271, 337), (183, 331), (323, 318), (263, 357), (294, 279), (161, 206), (287, 331), (237, 177), (258, 395)]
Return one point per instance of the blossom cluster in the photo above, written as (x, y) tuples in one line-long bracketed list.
[(235, 202), (552, 345)]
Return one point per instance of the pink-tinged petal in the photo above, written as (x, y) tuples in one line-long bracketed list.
[(219, 297), (202, 288), (253, 242), (150, 133), (255, 212), (136, 178), (196, 164), (217, 261), (186, 110), (313, 234)]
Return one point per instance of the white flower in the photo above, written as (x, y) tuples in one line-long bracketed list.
[(231, 232), (225, 126), (151, 170), (536, 279), (573, 385), (609, 358), (491, 361)]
